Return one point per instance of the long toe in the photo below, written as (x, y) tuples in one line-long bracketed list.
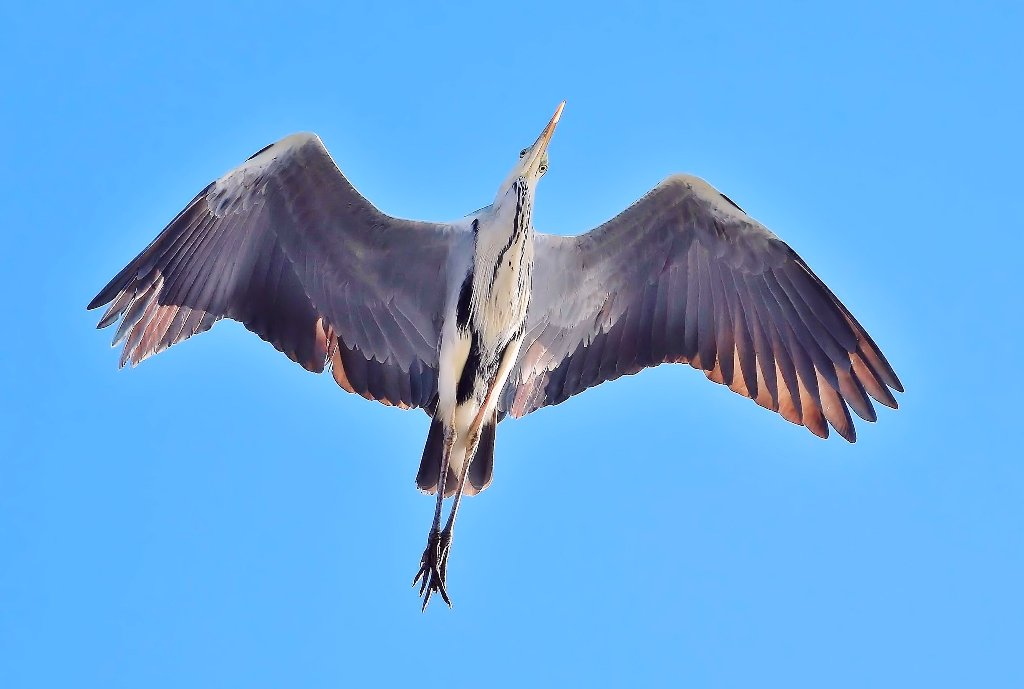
[(433, 583), (426, 566), (444, 549), (433, 564)]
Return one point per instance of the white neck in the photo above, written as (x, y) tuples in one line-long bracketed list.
[(503, 260)]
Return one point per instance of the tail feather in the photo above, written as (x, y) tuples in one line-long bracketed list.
[(481, 471), (429, 473)]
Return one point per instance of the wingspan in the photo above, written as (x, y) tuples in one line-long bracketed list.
[(683, 275), (285, 245)]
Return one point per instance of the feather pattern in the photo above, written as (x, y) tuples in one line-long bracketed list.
[(285, 245), (684, 275)]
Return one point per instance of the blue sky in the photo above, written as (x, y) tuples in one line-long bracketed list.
[(218, 517)]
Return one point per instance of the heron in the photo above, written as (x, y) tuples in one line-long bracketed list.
[(484, 317)]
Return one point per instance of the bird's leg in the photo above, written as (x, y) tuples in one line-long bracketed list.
[(434, 577), (445, 542), (472, 443), (449, 443), (429, 571)]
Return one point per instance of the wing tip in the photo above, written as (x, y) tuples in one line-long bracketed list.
[(848, 434), (296, 140), (113, 288), (891, 402)]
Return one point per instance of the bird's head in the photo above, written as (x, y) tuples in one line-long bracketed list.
[(533, 160)]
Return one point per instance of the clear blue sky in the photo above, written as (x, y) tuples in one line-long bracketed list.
[(219, 518)]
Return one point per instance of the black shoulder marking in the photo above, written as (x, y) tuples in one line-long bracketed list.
[(734, 204), (476, 226), (259, 151), (462, 310), (519, 223), (467, 381)]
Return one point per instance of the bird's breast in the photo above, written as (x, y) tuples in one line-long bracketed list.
[(502, 287)]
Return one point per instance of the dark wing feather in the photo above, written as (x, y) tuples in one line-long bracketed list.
[(285, 245), (684, 275)]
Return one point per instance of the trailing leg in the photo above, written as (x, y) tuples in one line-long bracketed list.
[(430, 571)]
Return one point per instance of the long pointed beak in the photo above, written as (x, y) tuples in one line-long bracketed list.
[(545, 136), (540, 146), (532, 157)]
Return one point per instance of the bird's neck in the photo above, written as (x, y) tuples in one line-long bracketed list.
[(508, 230), (503, 262)]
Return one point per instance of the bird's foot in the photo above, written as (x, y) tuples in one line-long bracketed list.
[(434, 567)]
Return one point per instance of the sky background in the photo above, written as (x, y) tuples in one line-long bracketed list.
[(218, 517)]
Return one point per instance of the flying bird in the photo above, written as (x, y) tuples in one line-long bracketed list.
[(484, 317)]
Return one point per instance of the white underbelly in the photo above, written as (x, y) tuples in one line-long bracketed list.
[(500, 299), (491, 339), (501, 309), (464, 415), (455, 346)]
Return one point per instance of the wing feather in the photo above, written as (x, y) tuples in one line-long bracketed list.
[(684, 275), (285, 245)]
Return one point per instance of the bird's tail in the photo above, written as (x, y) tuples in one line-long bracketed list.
[(481, 471)]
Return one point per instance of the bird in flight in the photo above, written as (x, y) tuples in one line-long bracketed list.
[(484, 317)]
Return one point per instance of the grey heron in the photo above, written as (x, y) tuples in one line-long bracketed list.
[(484, 317)]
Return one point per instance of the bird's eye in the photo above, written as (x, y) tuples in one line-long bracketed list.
[(523, 152), (543, 168)]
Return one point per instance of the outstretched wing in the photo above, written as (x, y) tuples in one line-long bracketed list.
[(288, 247), (684, 275)]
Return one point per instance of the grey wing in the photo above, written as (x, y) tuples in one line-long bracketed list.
[(684, 275), (287, 246)]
